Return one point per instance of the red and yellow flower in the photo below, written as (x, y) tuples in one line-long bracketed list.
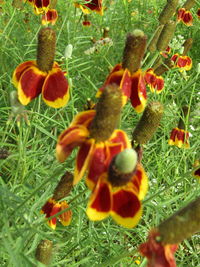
[(42, 76), (132, 86), (182, 62), (94, 132), (155, 82), (52, 207), (40, 6), (50, 17), (179, 137), (185, 16), (158, 253), (93, 5), (122, 202)]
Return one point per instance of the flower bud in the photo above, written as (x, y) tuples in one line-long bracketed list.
[(148, 123), (44, 252), (122, 167), (46, 49), (134, 50)]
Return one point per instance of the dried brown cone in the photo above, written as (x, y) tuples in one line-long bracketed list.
[(44, 252), (107, 113), (134, 50), (189, 4), (184, 114), (148, 123), (168, 11), (152, 45), (166, 35), (182, 224), (46, 49), (187, 46), (64, 186), (165, 66)]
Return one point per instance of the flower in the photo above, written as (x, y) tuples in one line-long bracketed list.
[(43, 75), (93, 5), (182, 62), (185, 16), (52, 207), (119, 194), (179, 138), (94, 132), (158, 253), (40, 6), (50, 17), (156, 83)]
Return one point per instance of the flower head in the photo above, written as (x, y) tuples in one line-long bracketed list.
[(40, 6), (119, 190), (94, 132), (155, 82), (128, 75), (54, 205), (50, 17), (185, 16), (32, 78), (92, 6), (182, 62)]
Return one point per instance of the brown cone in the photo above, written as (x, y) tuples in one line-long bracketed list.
[(168, 11), (44, 251), (166, 35), (148, 123), (64, 186)]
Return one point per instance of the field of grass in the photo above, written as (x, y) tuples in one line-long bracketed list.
[(29, 170)]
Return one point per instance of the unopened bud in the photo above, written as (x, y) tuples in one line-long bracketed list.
[(107, 113), (166, 35), (44, 252), (68, 51), (46, 49), (106, 32), (168, 11), (134, 50), (122, 167), (148, 123)]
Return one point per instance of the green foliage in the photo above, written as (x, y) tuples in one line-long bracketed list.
[(30, 173)]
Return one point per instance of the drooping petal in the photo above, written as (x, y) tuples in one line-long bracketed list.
[(69, 139), (41, 6), (140, 181), (30, 84), (138, 95), (50, 17), (100, 201), (93, 5), (55, 91), (84, 118), (51, 208), (120, 137), (83, 159), (179, 138), (126, 208), (187, 18), (20, 69), (65, 217)]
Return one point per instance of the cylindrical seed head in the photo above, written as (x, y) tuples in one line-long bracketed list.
[(168, 11), (189, 4), (182, 224), (64, 186), (44, 252), (187, 46), (166, 35), (148, 123), (134, 50), (46, 49), (152, 45), (165, 66), (107, 113)]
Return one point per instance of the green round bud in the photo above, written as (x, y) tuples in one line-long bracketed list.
[(126, 161)]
